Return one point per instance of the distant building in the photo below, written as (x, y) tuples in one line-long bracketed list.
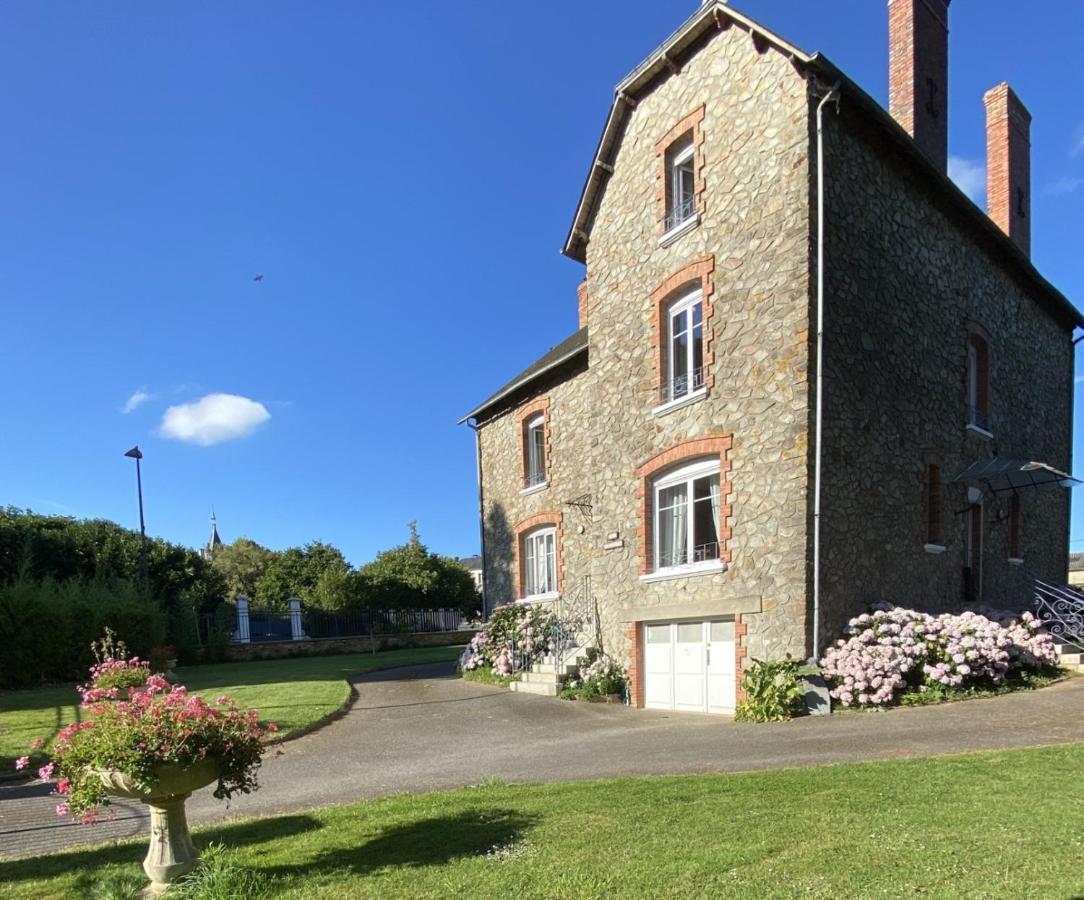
[(1076, 568), (214, 542), (473, 564)]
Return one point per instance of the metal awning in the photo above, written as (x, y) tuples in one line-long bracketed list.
[(1001, 475)]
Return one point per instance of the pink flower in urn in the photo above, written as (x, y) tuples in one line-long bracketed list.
[(62, 809), (46, 772), (37, 744), (22, 762)]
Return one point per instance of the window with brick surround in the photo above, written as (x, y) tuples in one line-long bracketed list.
[(533, 422), (680, 176), (686, 516), (935, 528), (540, 562), (536, 452), (681, 335), (681, 183), (978, 382)]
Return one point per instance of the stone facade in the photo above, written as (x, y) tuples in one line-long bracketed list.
[(906, 280), (907, 277)]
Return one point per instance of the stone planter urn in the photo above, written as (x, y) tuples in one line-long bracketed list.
[(171, 853)]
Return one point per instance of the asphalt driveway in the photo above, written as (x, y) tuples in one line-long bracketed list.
[(421, 729)]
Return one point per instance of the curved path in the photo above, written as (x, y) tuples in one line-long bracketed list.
[(421, 728)]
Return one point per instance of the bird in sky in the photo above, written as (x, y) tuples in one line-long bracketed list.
[(258, 278)]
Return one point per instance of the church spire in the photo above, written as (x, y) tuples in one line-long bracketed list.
[(214, 541)]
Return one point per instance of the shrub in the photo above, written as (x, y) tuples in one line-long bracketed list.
[(773, 691), (600, 677), (47, 626), (893, 651), (514, 637)]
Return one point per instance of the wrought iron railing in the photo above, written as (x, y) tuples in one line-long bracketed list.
[(1061, 609), (680, 213), (682, 386)]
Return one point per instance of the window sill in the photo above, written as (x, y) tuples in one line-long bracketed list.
[(539, 598), (671, 405), (712, 568), (935, 548), (534, 488), (1016, 560), (982, 432), (678, 230)]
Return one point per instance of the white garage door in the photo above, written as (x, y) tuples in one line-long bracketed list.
[(690, 666)]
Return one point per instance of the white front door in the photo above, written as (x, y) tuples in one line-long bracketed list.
[(690, 666)]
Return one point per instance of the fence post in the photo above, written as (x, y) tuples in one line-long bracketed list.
[(242, 636), (296, 634)]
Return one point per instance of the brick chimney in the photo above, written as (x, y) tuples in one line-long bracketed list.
[(918, 73), (1008, 164)]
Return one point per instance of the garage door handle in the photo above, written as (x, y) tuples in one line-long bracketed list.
[(709, 654)]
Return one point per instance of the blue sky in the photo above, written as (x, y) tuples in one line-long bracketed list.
[(403, 175)]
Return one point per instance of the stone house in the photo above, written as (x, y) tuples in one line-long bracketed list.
[(664, 463)]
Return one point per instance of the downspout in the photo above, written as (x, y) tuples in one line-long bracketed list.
[(481, 512), (831, 96)]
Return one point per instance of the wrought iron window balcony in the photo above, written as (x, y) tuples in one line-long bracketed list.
[(701, 553), (680, 214), (533, 479), (682, 386)]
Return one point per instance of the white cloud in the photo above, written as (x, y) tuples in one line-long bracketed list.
[(970, 177), (136, 400), (213, 419), (1063, 186)]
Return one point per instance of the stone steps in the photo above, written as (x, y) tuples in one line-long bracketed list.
[(1070, 657), (534, 687)]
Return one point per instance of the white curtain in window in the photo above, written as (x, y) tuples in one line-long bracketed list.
[(714, 487)]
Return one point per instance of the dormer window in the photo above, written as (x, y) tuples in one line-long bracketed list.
[(681, 197)]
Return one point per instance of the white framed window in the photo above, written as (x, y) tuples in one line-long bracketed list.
[(540, 562), (536, 452), (682, 194), (685, 348), (686, 513)]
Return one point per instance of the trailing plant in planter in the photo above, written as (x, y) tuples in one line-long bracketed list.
[(599, 679), (113, 674), (773, 691), (157, 746)]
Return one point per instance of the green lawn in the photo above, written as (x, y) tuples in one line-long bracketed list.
[(986, 825), (290, 692)]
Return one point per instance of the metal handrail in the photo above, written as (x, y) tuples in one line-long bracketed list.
[(682, 385), (679, 214)]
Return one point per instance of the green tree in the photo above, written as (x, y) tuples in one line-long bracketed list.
[(242, 564), (297, 571), (410, 577)]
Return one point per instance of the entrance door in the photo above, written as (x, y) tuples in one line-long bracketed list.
[(690, 666)]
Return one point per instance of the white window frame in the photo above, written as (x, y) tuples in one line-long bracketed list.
[(684, 304), (686, 474), (677, 167), (535, 478), (973, 387), (531, 541)]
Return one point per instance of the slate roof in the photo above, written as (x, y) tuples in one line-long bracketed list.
[(568, 349)]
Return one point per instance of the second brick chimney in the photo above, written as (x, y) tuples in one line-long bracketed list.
[(1008, 164), (918, 73)]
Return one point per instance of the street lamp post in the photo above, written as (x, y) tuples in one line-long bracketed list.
[(137, 454)]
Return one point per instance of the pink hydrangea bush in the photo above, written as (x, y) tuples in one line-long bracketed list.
[(599, 677), (159, 724), (515, 636), (894, 650)]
